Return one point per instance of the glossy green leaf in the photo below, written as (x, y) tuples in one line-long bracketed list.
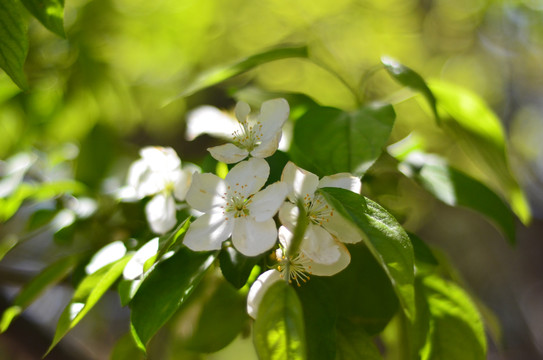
[(279, 328), (363, 292), (213, 299), (219, 74), (423, 253), (410, 78), (320, 313), (88, 292), (168, 242), (354, 343), (13, 41), (386, 239), (50, 276), (458, 189), (478, 131), (328, 140), (49, 12), (165, 290), (236, 267), (456, 328)]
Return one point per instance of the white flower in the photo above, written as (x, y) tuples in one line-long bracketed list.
[(326, 227), (235, 207), (159, 174), (295, 269), (256, 137)]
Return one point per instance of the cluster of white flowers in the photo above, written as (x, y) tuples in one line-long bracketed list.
[(237, 207)]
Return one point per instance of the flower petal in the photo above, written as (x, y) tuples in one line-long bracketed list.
[(242, 110), (342, 229), (302, 184), (182, 180), (267, 147), (264, 204), (319, 245), (251, 237), (333, 268), (160, 212), (273, 114), (247, 177), (228, 153), (208, 232), (258, 289), (209, 120), (206, 192), (342, 180), (288, 215), (160, 158)]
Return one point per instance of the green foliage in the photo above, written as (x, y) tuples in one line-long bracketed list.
[(386, 239), (88, 293), (329, 141), (279, 330), (49, 12), (164, 291), (13, 42)]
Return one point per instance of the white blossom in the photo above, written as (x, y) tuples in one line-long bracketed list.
[(234, 207), (325, 226), (258, 137), (158, 173)]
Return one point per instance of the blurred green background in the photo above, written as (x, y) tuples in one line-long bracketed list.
[(113, 86)]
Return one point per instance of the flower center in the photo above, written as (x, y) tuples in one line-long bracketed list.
[(236, 204), (295, 269), (318, 210), (249, 136)]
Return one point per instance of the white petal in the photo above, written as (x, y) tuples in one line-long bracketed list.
[(343, 229), (319, 245), (264, 204), (106, 255), (247, 177), (160, 158), (160, 212), (288, 215), (333, 268), (228, 153), (136, 172), (242, 110), (259, 288), (251, 237), (342, 180), (267, 147), (182, 180), (302, 184), (273, 115), (208, 232), (206, 192), (209, 120)]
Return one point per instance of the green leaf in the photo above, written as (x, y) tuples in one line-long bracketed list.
[(213, 299), (410, 78), (126, 349), (165, 290), (50, 276), (363, 292), (219, 74), (456, 328), (40, 218), (167, 243), (458, 189), (88, 292), (13, 41), (49, 12), (423, 253), (354, 343), (328, 140), (236, 267), (279, 327), (320, 313), (479, 133), (8, 243), (384, 237)]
